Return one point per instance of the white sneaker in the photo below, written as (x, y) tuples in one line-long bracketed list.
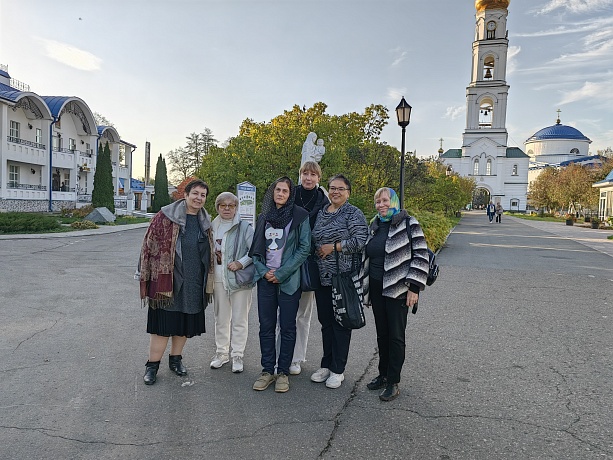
[(320, 375), (237, 364), (219, 360), (335, 380), (295, 368)]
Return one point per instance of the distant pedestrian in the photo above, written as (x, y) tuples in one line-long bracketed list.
[(174, 267), (499, 212), (491, 210)]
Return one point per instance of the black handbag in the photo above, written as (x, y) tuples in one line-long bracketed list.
[(244, 276), (309, 274), (348, 297)]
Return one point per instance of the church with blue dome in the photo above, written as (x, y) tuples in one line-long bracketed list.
[(557, 146)]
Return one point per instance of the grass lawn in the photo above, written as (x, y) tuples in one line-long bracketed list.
[(35, 223)]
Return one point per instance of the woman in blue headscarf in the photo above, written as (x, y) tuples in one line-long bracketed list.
[(395, 271)]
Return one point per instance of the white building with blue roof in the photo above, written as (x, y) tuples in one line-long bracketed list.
[(49, 158), (558, 146), (500, 171)]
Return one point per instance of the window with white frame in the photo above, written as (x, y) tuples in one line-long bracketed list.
[(488, 168), (72, 144), (514, 172), (476, 168), (88, 148), (14, 129), (13, 175), (39, 136)]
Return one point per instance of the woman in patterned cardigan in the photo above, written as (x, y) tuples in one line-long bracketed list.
[(340, 227), (395, 271)]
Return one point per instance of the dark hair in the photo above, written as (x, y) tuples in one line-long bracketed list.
[(196, 183), (340, 177)]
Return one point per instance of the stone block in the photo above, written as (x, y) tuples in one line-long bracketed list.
[(100, 216)]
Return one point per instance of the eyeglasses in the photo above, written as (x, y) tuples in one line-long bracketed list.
[(227, 206), (338, 189)]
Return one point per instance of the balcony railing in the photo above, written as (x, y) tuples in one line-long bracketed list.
[(16, 185), (84, 198), (16, 140)]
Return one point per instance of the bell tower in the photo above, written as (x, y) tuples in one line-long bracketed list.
[(486, 95)]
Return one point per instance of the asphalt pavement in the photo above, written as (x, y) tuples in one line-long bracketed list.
[(510, 356)]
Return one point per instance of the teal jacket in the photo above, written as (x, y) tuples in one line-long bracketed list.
[(296, 251)]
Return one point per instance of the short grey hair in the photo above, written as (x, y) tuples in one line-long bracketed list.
[(226, 196)]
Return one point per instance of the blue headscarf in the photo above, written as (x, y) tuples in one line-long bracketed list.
[(394, 207)]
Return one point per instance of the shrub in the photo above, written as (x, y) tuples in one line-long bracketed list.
[(18, 222), (84, 225)]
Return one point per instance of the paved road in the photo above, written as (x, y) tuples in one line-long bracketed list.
[(509, 357)]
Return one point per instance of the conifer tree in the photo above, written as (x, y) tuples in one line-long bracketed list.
[(161, 197), (103, 194)]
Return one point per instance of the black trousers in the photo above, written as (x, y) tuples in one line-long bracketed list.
[(335, 338), (390, 322)]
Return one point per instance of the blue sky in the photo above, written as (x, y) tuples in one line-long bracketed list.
[(160, 70)]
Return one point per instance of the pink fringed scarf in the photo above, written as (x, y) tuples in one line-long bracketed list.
[(157, 261)]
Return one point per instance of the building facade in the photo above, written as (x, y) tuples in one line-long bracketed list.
[(49, 150), (558, 146), (500, 170)]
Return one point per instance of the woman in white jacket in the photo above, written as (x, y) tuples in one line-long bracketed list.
[(231, 301)]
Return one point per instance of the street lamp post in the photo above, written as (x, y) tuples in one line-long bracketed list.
[(403, 113)]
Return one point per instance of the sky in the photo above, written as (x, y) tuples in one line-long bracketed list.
[(160, 70)]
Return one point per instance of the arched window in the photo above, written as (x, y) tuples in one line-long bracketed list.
[(488, 68), (575, 151), (488, 168), (514, 172), (476, 168), (486, 114)]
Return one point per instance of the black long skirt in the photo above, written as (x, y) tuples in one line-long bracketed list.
[(169, 323)]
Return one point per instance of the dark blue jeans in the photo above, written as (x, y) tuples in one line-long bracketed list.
[(271, 299)]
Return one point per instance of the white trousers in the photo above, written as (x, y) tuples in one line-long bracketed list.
[(303, 326), (231, 319)]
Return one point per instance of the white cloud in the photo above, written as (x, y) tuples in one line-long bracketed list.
[(575, 6), (70, 55), (454, 112), (399, 59), (395, 94), (511, 59), (594, 91)]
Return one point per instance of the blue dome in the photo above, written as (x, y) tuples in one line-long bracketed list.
[(558, 131)]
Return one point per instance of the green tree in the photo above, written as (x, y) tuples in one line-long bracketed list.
[(198, 146), (180, 165), (103, 194), (543, 191), (265, 151), (161, 197)]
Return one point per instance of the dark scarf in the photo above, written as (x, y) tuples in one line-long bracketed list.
[(278, 217)]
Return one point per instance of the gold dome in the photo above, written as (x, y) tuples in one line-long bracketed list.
[(481, 5)]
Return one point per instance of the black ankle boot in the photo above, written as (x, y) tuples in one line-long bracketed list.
[(391, 392), (151, 371), (377, 383), (175, 364)]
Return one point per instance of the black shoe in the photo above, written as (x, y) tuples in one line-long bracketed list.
[(151, 370), (377, 383), (175, 364), (391, 392)]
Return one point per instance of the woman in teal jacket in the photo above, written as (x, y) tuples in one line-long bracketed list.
[(281, 243)]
